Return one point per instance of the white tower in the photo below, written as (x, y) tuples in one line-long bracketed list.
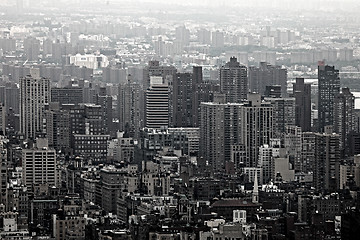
[(255, 193)]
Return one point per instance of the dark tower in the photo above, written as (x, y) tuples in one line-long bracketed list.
[(233, 81), (329, 88), (302, 94)]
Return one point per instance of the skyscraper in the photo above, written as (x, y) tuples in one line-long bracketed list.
[(329, 88), (283, 114), (157, 103), (256, 127), (34, 95), (233, 81), (302, 94), (344, 105), (232, 128), (267, 75), (182, 104), (219, 130), (130, 108), (327, 161)]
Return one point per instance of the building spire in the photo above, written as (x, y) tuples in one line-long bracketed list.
[(255, 193)]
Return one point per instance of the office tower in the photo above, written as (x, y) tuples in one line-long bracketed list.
[(283, 114), (329, 88), (267, 75), (130, 108), (220, 128), (39, 164), (344, 105), (182, 102), (67, 95), (233, 81), (327, 161), (105, 101), (302, 94), (58, 128), (157, 103), (256, 127), (34, 95)]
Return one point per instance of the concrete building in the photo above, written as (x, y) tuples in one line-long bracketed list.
[(344, 105), (157, 103), (283, 114), (293, 146), (89, 61), (58, 128), (67, 95), (327, 161), (329, 88), (39, 165), (302, 94), (34, 95), (225, 125), (256, 127), (220, 128), (267, 75), (233, 81), (130, 108), (307, 151)]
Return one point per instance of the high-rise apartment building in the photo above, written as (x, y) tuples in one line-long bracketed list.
[(233, 81), (267, 75), (307, 151), (344, 105), (256, 127), (34, 95), (230, 130), (327, 161), (329, 88), (130, 108), (283, 114), (302, 94), (220, 128)]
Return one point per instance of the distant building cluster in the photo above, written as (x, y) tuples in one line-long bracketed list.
[(119, 129)]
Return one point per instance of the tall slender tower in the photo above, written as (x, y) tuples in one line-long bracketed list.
[(157, 103), (34, 95), (302, 94), (344, 105), (233, 81), (255, 193), (329, 88)]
